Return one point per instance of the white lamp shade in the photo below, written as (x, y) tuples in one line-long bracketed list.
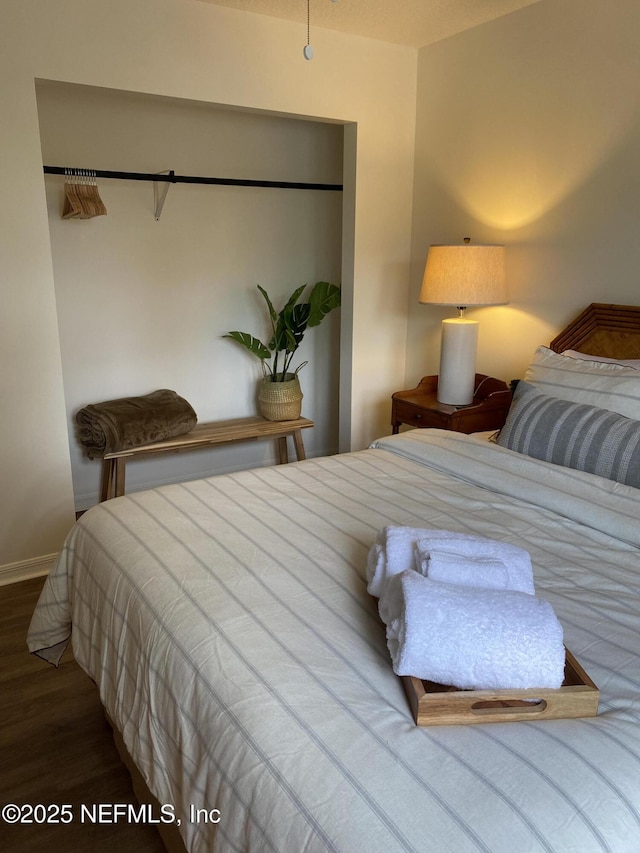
[(464, 275)]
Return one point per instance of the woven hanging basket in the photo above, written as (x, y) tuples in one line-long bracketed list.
[(280, 401)]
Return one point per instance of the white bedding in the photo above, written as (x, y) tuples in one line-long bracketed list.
[(228, 627)]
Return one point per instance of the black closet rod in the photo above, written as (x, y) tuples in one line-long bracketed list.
[(172, 178)]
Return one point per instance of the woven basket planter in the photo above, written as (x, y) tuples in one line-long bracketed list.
[(280, 401)]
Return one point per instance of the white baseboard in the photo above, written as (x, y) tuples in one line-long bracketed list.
[(26, 569)]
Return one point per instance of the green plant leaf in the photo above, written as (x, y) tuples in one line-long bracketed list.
[(254, 346), (292, 323), (324, 297), (272, 310), (297, 293), (297, 321), (279, 340)]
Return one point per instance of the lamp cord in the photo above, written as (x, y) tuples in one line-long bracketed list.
[(480, 384)]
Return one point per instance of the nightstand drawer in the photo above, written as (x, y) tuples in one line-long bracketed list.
[(409, 413)]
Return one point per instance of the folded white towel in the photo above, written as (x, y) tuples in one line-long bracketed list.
[(393, 552), (391, 602), (375, 564), (475, 638), (516, 561), (451, 567)]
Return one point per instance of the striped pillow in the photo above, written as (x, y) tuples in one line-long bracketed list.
[(609, 386), (574, 435)]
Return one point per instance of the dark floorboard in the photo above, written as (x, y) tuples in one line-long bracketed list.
[(55, 745)]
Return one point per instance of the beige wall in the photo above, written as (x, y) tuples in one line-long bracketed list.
[(190, 50), (143, 304), (528, 133)]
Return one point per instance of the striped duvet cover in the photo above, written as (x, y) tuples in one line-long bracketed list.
[(227, 625)]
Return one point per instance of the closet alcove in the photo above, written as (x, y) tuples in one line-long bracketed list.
[(143, 302)]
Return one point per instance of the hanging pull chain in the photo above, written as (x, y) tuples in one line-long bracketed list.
[(308, 50)]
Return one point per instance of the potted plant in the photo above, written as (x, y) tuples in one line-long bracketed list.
[(280, 396)]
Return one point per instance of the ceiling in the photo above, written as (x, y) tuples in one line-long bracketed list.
[(414, 23)]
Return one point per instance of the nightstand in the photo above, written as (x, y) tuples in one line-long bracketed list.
[(419, 407)]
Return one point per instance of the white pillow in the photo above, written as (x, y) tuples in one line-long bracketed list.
[(609, 386), (625, 362)]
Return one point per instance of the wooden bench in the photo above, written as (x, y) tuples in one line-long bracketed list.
[(204, 435)]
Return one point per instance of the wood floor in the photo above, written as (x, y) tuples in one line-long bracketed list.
[(55, 745)]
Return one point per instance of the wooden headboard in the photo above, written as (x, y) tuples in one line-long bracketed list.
[(612, 331)]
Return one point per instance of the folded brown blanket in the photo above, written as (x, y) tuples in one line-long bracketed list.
[(132, 421)]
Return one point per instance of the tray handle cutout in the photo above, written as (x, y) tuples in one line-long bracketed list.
[(509, 706)]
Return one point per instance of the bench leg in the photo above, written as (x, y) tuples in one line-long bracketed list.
[(297, 440), (106, 479), (283, 453), (119, 478)]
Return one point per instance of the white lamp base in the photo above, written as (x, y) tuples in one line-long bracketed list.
[(457, 361)]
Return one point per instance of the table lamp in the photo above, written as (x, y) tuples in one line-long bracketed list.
[(462, 275)]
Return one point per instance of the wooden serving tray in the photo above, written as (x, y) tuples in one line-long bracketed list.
[(439, 705)]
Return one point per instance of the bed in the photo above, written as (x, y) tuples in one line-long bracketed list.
[(244, 666)]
